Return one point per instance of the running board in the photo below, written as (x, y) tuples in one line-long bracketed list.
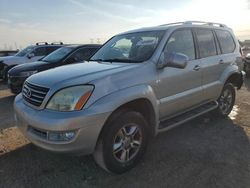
[(186, 116)]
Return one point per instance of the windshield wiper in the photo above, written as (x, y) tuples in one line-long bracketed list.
[(121, 60), (116, 60), (95, 60)]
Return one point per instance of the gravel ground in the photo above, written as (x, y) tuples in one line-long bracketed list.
[(206, 152)]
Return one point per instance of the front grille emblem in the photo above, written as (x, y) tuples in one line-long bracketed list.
[(28, 93)]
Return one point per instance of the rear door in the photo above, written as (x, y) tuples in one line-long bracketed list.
[(212, 62), (180, 89)]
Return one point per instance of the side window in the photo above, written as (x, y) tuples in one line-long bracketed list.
[(51, 49), (81, 55), (41, 51), (181, 42), (206, 43), (226, 41)]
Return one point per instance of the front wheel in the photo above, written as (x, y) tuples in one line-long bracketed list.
[(226, 100), (122, 143)]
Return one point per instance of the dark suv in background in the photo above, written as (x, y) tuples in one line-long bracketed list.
[(29, 54), (66, 55)]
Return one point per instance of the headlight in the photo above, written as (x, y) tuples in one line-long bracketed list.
[(27, 73), (70, 99)]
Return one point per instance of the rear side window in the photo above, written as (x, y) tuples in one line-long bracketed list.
[(82, 54), (40, 51), (181, 42), (206, 43), (51, 49), (226, 41)]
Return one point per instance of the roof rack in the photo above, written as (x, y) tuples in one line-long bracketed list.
[(41, 43), (197, 23), (60, 43), (205, 23)]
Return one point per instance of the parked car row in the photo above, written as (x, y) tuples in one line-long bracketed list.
[(30, 54), (67, 54), (138, 84)]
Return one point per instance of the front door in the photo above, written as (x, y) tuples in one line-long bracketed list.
[(180, 89)]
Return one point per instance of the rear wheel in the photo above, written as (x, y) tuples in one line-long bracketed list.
[(122, 143), (226, 100)]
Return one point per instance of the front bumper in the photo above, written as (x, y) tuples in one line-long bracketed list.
[(86, 124), (15, 83)]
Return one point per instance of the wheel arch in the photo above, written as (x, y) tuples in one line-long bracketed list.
[(140, 99)]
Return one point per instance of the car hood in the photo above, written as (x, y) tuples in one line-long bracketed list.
[(11, 60), (33, 66), (80, 73)]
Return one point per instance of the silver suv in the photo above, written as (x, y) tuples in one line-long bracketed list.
[(139, 84)]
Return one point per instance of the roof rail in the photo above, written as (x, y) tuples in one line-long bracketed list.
[(205, 23), (196, 22), (174, 23), (41, 43), (60, 43)]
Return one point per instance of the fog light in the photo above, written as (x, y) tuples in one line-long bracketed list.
[(61, 136)]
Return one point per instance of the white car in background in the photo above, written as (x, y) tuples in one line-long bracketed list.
[(29, 54)]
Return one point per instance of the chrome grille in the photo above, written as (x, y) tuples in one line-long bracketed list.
[(34, 94)]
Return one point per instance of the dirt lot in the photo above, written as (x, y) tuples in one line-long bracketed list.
[(206, 152)]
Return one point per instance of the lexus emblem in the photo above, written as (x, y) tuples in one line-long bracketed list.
[(28, 93)]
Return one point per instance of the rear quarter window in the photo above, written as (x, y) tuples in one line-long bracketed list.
[(226, 41)]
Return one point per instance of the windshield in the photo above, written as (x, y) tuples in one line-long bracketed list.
[(25, 51), (132, 47), (58, 54)]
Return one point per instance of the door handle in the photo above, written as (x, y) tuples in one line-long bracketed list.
[(196, 67), (221, 61)]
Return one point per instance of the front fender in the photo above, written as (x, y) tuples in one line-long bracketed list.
[(113, 101)]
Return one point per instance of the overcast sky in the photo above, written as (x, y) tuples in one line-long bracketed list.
[(23, 22)]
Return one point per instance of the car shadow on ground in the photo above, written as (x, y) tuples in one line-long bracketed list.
[(207, 152)]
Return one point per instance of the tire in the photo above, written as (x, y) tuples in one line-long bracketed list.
[(122, 143), (5, 74), (226, 100)]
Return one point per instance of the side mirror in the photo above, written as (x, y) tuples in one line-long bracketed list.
[(30, 55), (175, 60)]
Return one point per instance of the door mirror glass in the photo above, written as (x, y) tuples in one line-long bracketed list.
[(30, 55), (175, 60)]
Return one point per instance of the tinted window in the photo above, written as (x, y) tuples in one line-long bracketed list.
[(58, 54), (51, 49), (226, 41), (40, 51), (206, 43), (181, 42), (25, 51), (82, 54)]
